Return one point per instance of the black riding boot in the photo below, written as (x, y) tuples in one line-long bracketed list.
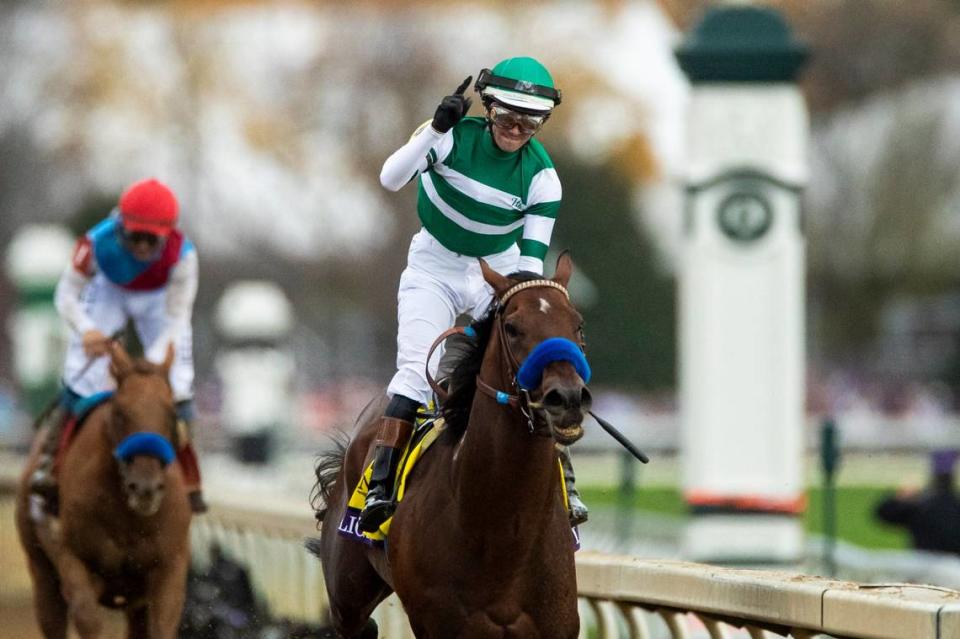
[(42, 480), (578, 510), (390, 442)]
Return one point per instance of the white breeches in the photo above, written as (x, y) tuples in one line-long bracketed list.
[(436, 286), (110, 306)]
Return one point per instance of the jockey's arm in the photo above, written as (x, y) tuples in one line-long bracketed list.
[(67, 297), (181, 292), (538, 221), (413, 158)]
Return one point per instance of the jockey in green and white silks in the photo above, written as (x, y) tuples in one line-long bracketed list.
[(487, 189), (478, 200)]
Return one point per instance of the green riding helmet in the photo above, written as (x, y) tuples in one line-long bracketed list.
[(520, 83)]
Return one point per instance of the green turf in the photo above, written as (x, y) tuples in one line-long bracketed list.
[(855, 521)]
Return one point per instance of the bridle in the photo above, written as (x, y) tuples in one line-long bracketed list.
[(519, 399), (156, 445)]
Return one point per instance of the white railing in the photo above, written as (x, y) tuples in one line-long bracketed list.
[(620, 596), (687, 595)]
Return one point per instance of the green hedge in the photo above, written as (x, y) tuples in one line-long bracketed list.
[(855, 521)]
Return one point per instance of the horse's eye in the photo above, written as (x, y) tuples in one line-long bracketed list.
[(511, 330)]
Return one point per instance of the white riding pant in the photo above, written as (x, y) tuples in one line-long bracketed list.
[(110, 306), (436, 286)]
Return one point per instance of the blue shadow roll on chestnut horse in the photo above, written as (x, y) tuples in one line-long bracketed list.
[(480, 545), (122, 535)]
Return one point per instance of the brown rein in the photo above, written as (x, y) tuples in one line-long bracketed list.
[(519, 401)]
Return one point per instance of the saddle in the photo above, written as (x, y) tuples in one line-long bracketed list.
[(78, 413), (428, 428)]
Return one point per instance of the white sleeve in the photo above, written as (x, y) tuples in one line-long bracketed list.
[(181, 292), (539, 218), (413, 158), (532, 264), (67, 299)]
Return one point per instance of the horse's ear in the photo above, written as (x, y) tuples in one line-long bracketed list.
[(120, 362), (168, 360), (564, 269), (499, 283)]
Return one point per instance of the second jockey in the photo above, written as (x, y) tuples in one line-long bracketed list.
[(135, 265)]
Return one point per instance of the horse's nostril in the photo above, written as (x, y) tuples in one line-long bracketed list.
[(131, 486), (553, 400), (561, 399), (586, 399)]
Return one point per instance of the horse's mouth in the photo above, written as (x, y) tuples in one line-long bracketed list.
[(567, 435), (144, 507)]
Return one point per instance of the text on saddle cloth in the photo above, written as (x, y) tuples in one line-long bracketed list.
[(418, 445), (426, 433)]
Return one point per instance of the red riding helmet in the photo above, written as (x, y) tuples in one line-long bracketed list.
[(149, 206)]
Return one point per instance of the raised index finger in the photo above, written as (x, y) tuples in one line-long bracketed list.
[(463, 86)]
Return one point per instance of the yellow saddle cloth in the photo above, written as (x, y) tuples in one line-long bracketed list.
[(425, 434)]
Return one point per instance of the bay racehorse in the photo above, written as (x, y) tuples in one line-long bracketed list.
[(121, 537), (480, 546)]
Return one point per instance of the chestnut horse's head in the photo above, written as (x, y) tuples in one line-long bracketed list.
[(143, 425), (541, 336)]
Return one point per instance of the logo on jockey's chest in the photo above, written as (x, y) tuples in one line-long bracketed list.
[(517, 204)]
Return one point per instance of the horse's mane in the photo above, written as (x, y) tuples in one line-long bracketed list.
[(463, 379), (146, 367), (140, 365), (327, 469)]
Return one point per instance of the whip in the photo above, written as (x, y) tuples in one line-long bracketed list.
[(621, 438)]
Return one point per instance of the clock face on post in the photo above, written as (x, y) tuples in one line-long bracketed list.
[(744, 216)]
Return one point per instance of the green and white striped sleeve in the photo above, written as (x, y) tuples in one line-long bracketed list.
[(424, 148), (543, 203)]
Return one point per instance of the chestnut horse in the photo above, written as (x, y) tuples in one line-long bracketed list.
[(122, 536), (480, 546)]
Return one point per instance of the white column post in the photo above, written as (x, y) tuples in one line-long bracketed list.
[(256, 368), (35, 258), (742, 288)]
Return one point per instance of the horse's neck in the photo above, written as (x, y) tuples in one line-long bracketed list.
[(502, 470)]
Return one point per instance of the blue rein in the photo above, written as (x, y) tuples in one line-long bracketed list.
[(150, 444), (554, 349)]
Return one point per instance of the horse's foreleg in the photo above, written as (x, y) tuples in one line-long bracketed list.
[(137, 623), (48, 603), (166, 591), (82, 590), (354, 588)]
